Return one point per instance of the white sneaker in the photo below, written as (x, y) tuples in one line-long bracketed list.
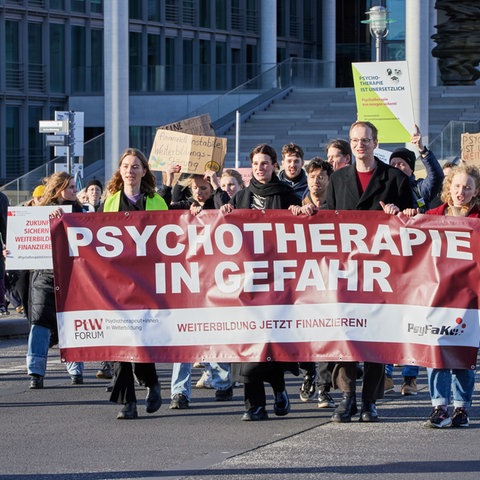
[(205, 380)]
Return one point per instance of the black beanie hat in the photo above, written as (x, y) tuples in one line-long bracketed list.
[(404, 154), (96, 182)]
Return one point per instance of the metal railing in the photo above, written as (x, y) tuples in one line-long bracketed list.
[(448, 145), (299, 73)]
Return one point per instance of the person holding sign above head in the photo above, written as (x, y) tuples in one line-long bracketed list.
[(460, 195), (205, 193), (132, 188), (363, 186), (60, 189), (265, 192), (425, 190)]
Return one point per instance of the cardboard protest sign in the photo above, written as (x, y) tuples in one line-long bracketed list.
[(201, 125), (194, 153), (189, 143), (471, 148), (383, 95)]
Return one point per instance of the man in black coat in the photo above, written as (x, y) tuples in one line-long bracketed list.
[(369, 184)]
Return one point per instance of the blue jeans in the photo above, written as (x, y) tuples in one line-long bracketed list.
[(443, 381), (182, 378), (38, 342), (408, 370)]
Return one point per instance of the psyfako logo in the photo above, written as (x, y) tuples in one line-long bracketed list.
[(443, 330)]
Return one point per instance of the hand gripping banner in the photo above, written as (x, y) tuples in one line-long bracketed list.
[(259, 286)]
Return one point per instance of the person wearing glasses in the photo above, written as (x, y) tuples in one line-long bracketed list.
[(369, 184)]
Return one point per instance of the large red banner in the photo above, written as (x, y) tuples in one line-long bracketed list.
[(338, 286)]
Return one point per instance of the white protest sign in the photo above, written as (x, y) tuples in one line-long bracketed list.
[(383, 96), (28, 237)]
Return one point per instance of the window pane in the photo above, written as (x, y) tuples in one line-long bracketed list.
[(135, 61), (35, 140), (96, 74), (12, 137), (205, 62), (57, 4), (78, 59), (78, 5), (154, 10), (155, 68), (36, 73), (220, 15), (57, 58), (13, 73), (96, 6), (170, 54), (135, 9)]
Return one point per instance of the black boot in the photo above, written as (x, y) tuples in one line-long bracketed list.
[(346, 408)]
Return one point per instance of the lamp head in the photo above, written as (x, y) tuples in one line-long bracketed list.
[(378, 21)]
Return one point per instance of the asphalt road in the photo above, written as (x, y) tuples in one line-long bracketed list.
[(66, 432)]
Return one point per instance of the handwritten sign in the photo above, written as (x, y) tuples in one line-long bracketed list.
[(471, 148), (194, 153), (201, 125)]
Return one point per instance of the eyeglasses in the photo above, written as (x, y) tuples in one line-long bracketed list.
[(363, 141)]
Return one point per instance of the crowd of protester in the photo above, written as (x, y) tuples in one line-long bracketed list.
[(350, 178)]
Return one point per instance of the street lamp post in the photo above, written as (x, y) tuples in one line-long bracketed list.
[(378, 22)]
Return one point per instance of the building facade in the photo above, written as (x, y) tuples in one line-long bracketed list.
[(52, 58)]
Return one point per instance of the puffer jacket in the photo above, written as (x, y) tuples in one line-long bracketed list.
[(41, 303)]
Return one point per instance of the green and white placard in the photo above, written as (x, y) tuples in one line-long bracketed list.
[(383, 96)]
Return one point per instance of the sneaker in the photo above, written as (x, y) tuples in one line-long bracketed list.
[(20, 310), (205, 380), (4, 310), (409, 386), (179, 402), (255, 414), (307, 390), (460, 417), (36, 382), (325, 400), (389, 386), (439, 418), (106, 372), (224, 395), (77, 379), (281, 407), (198, 365)]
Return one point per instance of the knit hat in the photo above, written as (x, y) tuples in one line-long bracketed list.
[(38, 191), (96, 182), (405, 154)]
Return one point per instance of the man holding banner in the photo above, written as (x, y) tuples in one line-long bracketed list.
[(369, 184)]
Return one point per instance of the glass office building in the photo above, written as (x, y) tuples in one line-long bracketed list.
[(52, 51)]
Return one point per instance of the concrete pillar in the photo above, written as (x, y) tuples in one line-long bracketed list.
[(329, 41), (417, 49), (116, 70), (268, 34)]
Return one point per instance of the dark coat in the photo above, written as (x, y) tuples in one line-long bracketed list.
[(41, 298), (41, 302), (387, 184)]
